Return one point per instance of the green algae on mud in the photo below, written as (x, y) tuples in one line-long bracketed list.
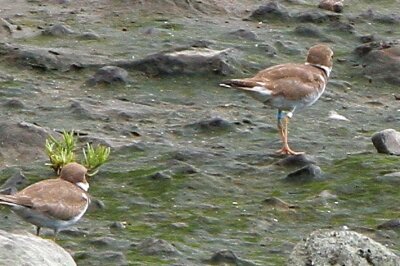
[(221, 205)]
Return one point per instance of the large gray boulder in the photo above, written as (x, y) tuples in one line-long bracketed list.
[(331, 247), (27, 249), (22, 142), (193, 60), (381, 60), (387, 141)]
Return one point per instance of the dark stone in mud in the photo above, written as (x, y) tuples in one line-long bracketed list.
[(387, 141), (310, 172), (391, 224), (178, 167), (371, 15), (153, 246), (270, 11), (108, 75), (101, 258), (186, 61), (109, 242), (309, 30), (14, 183), (96, 204), (118, 225), (268, 49), (287, 47), (244, 34), (58, 30), (212, 125), (328, 247), (341, 26), (81, 110), (227, 256), (367, 38), (71, 231), (89, 36), (314, 16), (278, 203), (164, 175), (276, 11), (14, 104), (61, 59), (296, 160)]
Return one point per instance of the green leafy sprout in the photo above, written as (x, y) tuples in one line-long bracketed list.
[(95, 157), (62, 152)]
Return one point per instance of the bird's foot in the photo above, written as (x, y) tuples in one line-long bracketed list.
[(288, 151)]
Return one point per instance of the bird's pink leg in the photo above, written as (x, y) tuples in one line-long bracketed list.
[(283, 132)]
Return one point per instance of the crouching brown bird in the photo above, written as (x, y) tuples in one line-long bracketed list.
[(289, 87), (53, 203)]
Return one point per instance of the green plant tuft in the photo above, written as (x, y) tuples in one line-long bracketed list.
[(95, 157), (62, 152)]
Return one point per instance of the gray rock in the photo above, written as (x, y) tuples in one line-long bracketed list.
[(153, 246), (391, 224), (270, 11), (187, 61), (278, 203), (211, 125), (14, 104), (70, 231), (329, 247), (313, 16), (160, 175), (390, 178), (225, 256), (244, 34), (387, 141), (372, 15), (101, 258), (96, 204), (14, 183), (14, 138), (310, 172), (109, 242), (309, 30), (61, 59), (89, 36), (287, 47), (276, 11), (268, 49), (17, 249), (382, 62), (118, 225), (108, 75), (58, 30), (342, 26), (296, 160)]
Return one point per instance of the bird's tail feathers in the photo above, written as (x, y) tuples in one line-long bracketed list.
[(242, 83), (6, 200)]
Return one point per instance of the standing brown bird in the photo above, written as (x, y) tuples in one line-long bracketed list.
[(289, 87), (53, 203)]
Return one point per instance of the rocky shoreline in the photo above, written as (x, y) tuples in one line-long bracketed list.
[(193, 178)]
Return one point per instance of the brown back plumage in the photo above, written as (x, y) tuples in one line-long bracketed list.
[(58, 198)]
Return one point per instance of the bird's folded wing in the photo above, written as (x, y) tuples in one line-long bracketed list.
[(58, 199)]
